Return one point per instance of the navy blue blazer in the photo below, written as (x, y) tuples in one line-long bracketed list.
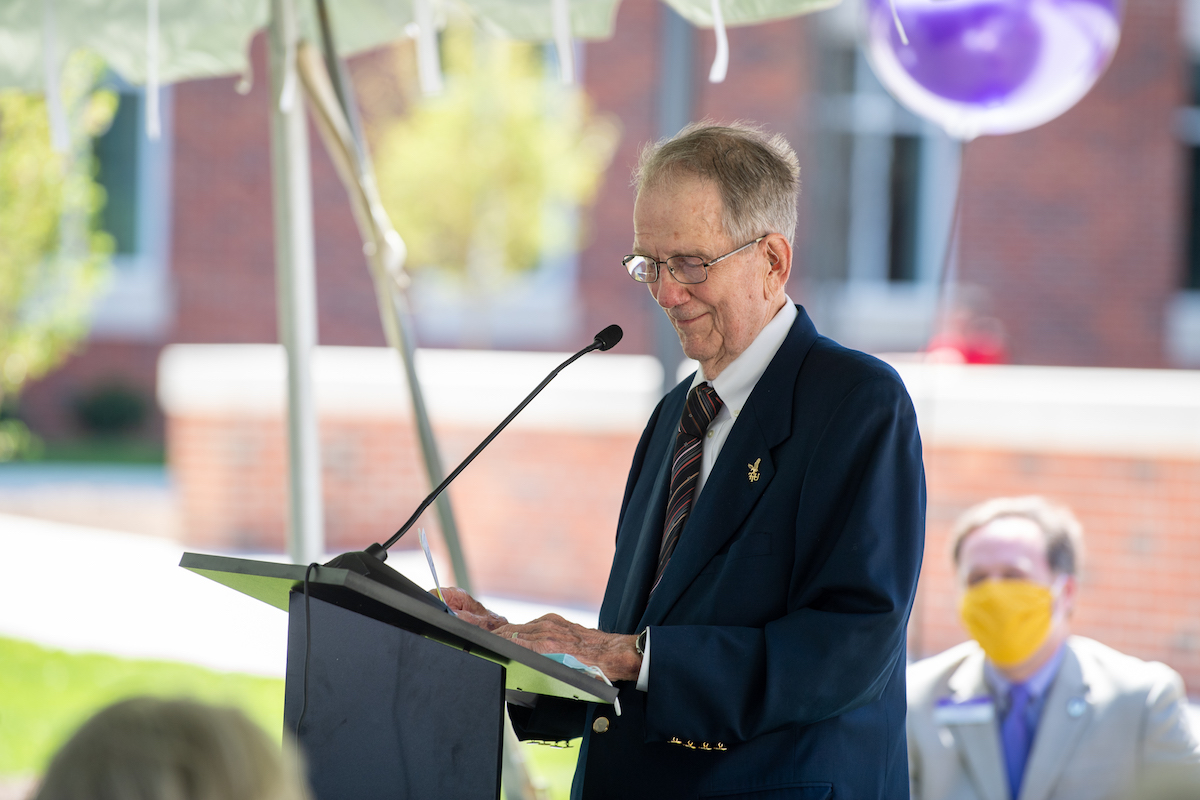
[(778, 629)]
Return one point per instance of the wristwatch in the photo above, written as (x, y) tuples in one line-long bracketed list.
[(639, 644)]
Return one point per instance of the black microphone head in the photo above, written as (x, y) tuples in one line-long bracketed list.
[(608, 338)]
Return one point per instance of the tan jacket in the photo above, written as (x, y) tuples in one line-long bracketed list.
[(1112, 725)]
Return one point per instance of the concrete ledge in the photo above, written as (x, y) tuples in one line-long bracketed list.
[(1119, 412), (601, 392)]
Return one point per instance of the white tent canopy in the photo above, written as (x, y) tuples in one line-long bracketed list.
[(205, 38)]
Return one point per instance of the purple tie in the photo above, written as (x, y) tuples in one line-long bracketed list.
[(1016, 737)]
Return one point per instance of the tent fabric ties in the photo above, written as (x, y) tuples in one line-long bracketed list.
[(720, 65), (153, 112), (60, 137), (429, 66), (899, 27), (560, 11)]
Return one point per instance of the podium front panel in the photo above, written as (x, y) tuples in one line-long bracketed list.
[(390, 714)]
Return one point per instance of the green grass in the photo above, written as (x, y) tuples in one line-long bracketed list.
[(46, 694)]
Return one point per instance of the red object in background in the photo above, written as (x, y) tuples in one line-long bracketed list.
[(974, 340), (954, 347)]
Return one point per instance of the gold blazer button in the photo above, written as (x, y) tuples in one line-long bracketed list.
[(600, 724)]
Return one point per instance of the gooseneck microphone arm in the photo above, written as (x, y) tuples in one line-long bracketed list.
[(604, 340)]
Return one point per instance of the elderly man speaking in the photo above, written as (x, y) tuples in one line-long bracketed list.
[(772, 527)]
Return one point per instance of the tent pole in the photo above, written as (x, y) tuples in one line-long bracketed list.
[(295, 276), (337, 122)]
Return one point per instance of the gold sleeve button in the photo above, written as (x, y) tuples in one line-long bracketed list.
[(600, 724)]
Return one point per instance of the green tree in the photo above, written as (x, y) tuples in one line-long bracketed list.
[(52, 260), (482, 180)]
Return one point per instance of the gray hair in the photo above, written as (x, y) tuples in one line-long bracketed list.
[(155, 749), (1064, 534), (758, 175)]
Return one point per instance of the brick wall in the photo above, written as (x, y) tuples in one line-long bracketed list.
[(1075, 228), (537, 514), (537, 510), (223, 252), (532, 525), (1141, 517)]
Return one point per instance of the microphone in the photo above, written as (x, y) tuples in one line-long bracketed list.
[(607, 339), (357, 562)]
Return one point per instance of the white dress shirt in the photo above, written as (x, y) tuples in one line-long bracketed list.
[(733, 386)]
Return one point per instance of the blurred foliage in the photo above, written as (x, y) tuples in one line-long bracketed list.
[(110, 409), (52, 260), (16, 441), (484, 179)]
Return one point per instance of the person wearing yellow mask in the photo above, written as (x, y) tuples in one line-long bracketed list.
[(1025, 710)]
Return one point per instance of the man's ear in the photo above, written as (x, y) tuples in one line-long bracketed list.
[(1070, 589), (779, 264)]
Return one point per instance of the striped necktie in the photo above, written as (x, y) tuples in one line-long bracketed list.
[(698, 413)]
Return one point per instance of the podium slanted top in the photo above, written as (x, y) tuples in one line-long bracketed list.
[(526, 672)]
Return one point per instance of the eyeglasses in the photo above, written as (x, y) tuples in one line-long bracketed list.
[(684, 269)]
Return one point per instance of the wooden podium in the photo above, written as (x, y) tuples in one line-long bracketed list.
[(400, 698)]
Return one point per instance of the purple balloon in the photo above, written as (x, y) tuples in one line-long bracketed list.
[(991, 66)]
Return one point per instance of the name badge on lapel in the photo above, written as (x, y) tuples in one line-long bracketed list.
[(975, 711)]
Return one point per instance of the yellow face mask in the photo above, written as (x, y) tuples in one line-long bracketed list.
[(1010, 619)]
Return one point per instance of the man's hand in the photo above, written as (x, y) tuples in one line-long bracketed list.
[(471, 610), (612, 652)]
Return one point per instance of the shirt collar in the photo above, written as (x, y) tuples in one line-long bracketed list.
[(738, 379), (1036, 685)]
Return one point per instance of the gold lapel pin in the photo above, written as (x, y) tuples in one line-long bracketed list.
[(754, 473)]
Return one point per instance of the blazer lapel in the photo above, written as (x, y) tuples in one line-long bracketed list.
[(1066, 715), (978, 742), (649, 519), (730, 493), (725, 502)]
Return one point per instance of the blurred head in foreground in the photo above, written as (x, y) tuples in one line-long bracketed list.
[(154, 749)]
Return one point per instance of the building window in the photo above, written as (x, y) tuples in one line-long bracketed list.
[(135, 174), (1182, 318), (902, 230), (881, 188), (1191, 270), (116, 154)]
